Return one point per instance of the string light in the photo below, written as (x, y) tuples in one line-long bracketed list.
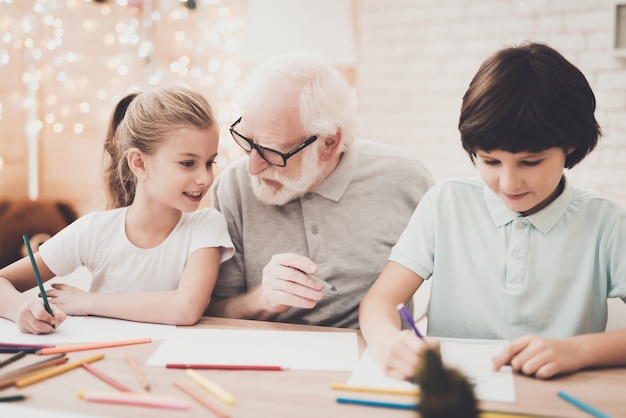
[(139, 43)]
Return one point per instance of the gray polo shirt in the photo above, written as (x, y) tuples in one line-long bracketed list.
[(347, 226)]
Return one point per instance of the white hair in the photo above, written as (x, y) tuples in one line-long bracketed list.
[(326, 101)]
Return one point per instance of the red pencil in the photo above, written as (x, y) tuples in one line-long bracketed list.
[(106, 379), (223, 367)]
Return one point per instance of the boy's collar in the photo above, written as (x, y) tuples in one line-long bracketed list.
[(543, 220)]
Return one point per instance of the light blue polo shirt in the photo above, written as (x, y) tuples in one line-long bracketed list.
[(497, 274)]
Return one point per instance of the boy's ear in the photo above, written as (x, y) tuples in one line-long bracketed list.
[(331, 145), (136, 162), (570, 150)]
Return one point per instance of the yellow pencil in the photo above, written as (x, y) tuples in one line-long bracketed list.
[(211, 387), (140, 376), (56, 371), (408, 392)]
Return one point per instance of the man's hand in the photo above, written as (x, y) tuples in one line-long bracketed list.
[(286, 283)]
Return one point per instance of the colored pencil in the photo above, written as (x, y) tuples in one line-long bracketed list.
[(409, 319), (322, 282), (12, 350), (37, 364), (408, 392), (106, 379), (379, 404), (582, 405), (201, 400), (11, 359), (9, 379), (91, 346), (20, 345), (138, 399), (223, 367), (495, 414), (140, 376), (213, 388), (45, 374), (12, 398), (46, 305)]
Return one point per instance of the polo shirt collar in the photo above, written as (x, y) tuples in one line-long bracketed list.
[(543, 220), (336, 184)]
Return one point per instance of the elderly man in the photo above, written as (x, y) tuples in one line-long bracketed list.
[(312, 211)]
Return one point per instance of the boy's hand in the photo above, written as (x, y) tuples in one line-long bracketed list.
[(540, 357), (405, 354)]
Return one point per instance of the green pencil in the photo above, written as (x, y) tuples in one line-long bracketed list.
[(37, 276)]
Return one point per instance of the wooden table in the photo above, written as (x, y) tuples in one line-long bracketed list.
[(297, 393)]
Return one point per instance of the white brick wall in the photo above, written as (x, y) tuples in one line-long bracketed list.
[(416, 58)]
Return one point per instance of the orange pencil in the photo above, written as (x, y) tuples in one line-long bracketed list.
[(91, 346), (201, 400)]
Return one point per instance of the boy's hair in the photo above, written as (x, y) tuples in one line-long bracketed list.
[(325, 101), (529, 98), (144, 121)]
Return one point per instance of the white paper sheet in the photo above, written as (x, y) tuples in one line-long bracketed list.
[(472, 357), (87, 329), (21, 411), (289, 349)]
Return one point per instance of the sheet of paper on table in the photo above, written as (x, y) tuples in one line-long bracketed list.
[(472, 357), (83, 329), (86, 329), (289, 349), (22, 411)]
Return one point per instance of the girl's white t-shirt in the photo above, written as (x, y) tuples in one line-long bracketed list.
[(98, 241)]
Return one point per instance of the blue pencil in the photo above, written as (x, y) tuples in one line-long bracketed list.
[(13, 350), (393, 405), (37, 276), (580, 404)]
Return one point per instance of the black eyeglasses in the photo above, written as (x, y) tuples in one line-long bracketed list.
[(272, 156)]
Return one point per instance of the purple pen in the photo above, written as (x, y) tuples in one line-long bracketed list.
[(408, 318)]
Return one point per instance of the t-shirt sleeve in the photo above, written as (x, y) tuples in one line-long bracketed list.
[(65, 251), (209, 230), (415, 247)]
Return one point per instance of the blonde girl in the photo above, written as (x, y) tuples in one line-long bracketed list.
[(153, 256)]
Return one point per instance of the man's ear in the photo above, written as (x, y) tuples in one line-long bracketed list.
[(136, 162), (331, 145)]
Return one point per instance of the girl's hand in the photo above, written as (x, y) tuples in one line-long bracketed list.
[(540, 357), (70, 299), (405, 354), (34, 319)]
